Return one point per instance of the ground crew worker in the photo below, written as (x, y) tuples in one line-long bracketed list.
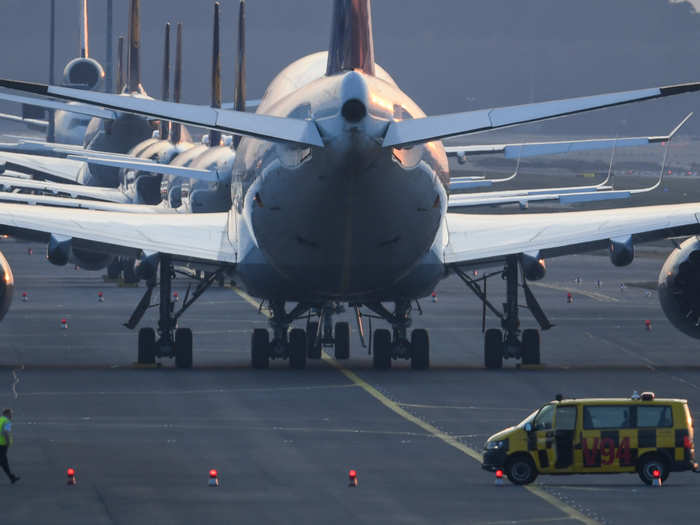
[(6, 442)]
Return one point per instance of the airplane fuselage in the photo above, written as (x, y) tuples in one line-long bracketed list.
[(351, 221)]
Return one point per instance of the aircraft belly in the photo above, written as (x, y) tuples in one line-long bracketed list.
[(346, 232)]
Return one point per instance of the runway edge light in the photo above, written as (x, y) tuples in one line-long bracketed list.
[(213, 478), (100, 297), (657, 477), (64, 323), (71, 476), (352, 478), (499, 478)]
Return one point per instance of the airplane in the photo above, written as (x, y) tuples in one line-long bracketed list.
[(340, 195)]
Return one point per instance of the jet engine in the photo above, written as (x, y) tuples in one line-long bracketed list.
[(84, 73), (679, 287), (60, 251), (7, 286), (534, 267)]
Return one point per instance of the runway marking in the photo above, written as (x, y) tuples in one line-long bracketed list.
[(515, 522), (454, 407), (568, 510), (574, 290), (186, 392)]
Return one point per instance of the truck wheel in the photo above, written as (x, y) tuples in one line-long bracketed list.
[(521, 470)]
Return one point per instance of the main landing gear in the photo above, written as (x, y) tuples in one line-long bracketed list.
[(298, 344), (395, 344), (509, 341), (169, 340)]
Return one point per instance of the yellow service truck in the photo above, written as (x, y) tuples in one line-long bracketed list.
[(640, 434)]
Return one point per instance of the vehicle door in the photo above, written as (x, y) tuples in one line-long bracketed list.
[(655, 431), (564, 435), (541, 439), (606, 438)]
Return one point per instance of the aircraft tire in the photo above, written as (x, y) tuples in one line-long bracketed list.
[(531, 347), (381, 356), (420, 349), (260, 349), (313, 347), (147, 346), (493, 349), (183, 348), (342, 340), (297, 349)]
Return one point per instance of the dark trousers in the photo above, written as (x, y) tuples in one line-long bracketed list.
[(3, 462)]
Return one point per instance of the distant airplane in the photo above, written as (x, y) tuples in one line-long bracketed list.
[(339, 195)]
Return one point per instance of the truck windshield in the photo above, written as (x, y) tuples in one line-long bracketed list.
[(528, 419)]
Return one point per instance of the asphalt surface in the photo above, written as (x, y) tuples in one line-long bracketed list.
[(143, 440)]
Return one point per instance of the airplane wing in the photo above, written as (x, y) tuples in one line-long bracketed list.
[(202, 236), (477, 239), (413, 131), (81, 109), (65, 202), (37, 124), (533, 149), (73, 190), (237, 122), (65, 169)]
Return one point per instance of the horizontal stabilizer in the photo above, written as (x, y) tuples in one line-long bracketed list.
[(407, 132), (65, 169), (40, 201), (81, 109), (237, 122)]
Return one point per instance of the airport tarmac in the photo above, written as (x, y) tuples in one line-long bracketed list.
[(143, 440)]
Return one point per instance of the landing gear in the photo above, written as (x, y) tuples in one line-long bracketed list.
[(342, 340), (172, 341), (396, 344), (285, 344), (510, 342), (313, 340)]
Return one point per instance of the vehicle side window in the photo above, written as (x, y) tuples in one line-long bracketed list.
[(654, 416), (544, 418), (566, 418), (607, 416)]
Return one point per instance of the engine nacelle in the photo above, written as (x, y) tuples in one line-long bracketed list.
[(621, 251), (534, 267), (679, 287), (84, 73), (7, 286), (59, 249)]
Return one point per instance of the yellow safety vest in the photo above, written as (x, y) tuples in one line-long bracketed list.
[(3, 441)]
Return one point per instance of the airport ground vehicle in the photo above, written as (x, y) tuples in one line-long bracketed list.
[(639, 434)]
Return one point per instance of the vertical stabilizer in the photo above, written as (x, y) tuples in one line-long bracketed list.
[(109, 60), (84, 48), (120, 65), (239, 92), (214, 135), (176, 130), (351, 46), (51, 131), (165, 95), (134, 73)]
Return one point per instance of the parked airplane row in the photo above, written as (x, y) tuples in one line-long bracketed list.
[(338, 193)]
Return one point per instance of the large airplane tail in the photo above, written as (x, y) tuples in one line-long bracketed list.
[(165, 93), (84, 47), (215, 135), (176, 129), (239, 93), (352, 46), (134, 72)]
